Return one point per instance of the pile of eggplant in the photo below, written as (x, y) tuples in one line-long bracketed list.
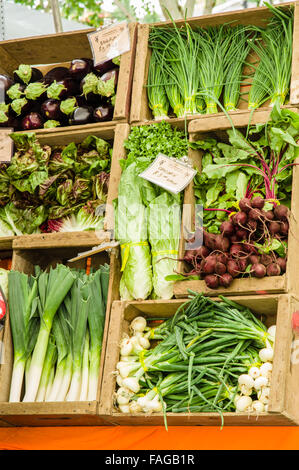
[(64, 96)]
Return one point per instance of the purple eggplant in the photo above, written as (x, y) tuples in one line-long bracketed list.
[(103, 67), (50, 109), (63, 89), (81, 115), (32, 121), (79, 68), (5, 83), (113, 73), (103, 113), (20, 107), (26, 74), (57, 73)]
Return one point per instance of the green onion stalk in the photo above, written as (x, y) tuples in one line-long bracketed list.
[(274, 48), (238, 51), (156, 89), (179, 48)]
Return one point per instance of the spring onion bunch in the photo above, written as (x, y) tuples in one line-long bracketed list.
[(202, 352), (272, 75), (57, 320), (178, 50), (157, 96)]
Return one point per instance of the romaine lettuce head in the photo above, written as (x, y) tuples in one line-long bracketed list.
[(164, 226), (131, 232)]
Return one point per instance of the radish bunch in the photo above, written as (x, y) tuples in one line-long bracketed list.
[(234, 251)]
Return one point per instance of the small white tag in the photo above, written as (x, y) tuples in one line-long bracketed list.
[(169, 173), (109, 42)]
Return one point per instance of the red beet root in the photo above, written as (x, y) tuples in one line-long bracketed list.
[(227, 228), (225, 280), (212, 281), (282, 263), (273, 269), (258, 270), (258, 202), (245, 204)]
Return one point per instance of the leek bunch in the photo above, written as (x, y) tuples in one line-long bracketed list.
[(57, 322)]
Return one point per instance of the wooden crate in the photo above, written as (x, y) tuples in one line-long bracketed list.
[(286, 283), (46, 52), (53, 413), (114, 134), (140, 110), (283, 406)]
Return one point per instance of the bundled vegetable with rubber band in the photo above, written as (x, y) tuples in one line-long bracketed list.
[(211, 356)]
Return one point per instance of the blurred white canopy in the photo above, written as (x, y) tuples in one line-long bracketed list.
[(21, 21)]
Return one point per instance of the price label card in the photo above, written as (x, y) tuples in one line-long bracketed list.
[(169, 173), (109, 42), (6, 144)]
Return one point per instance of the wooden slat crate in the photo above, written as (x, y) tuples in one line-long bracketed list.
[(286, 283), (140, 110), (46, 52), (53, 413), (283, 408), (114, 134)]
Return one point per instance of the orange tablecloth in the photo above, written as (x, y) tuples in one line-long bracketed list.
[(150, 438)]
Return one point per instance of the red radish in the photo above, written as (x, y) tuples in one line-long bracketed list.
[(245, 204), (235, 250), (222, 258), (281, 212), (252, 225), (249, 248), (221, 243), (266, 259), (212, 281), (273, 269), (258, 270), (241, 234), (284, 228), (232, 268), (209, 265), (227, 228), (243, 263), (225, 280), (257, 202), (209, 240), (274, 227), (255, 214), (268, 215), (254, 259), (234, 239), (220, 268), (282, 263), (240, 218), (189, 256)]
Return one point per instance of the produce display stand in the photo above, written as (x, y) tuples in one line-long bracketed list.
[(140, 110), (283, 406), (287, 283), (55, 50), (276, 298), (52, 413)]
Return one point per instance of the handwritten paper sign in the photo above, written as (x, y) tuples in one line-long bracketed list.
[(109, 42), (168, 173), (6, 144)]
